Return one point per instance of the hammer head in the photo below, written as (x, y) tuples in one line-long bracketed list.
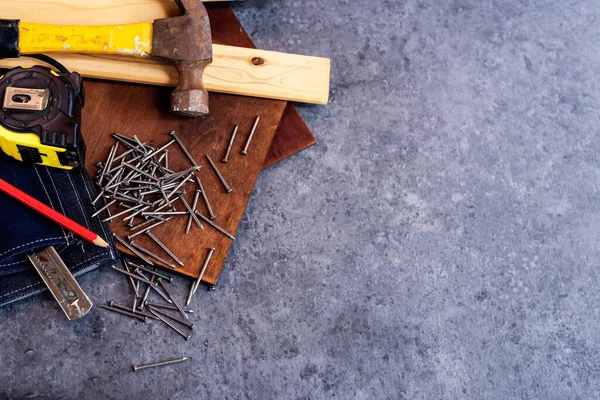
[(187, 43)]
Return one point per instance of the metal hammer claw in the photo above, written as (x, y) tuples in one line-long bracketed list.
[(185, 41)]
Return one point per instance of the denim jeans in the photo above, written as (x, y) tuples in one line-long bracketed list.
[(23, 230)]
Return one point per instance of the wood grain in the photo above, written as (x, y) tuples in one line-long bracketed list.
[(277, 75), (105, 12), (280, 76), (111, 108)]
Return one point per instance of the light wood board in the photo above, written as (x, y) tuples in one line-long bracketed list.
[(91, 12), (278, 76)]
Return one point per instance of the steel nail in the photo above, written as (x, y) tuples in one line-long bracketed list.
[(206, 261), (131, 209), (168, 306), (137, 188), (153, 285), (150, 254), (179, 174), (173, 299), (165, 248), (214, 167), (245, 151), (106, 205), (113, 179), (224, 160), (150, 220), (132, 216), (134, 251), (111, 155), (146, 293), (205, 199), (140, 171), (185, 151), (124, 142), (158, 364), (156, 273), (170, 324), (185, 203), (217, 227), (159, 162), (103, 208), (116, 135), (137, 312), (137, 276), (140, 144), (164, 194), (128, 313), (173, 317), (155, 152), (129, 199), (133, 285), (163, 213), (128, 152), (147, 228), (121, 166), (190, 293), (98, 197), (194, 206), (183, 182)]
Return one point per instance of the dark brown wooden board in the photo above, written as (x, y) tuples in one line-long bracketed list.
[(143, 110), (292, 137)]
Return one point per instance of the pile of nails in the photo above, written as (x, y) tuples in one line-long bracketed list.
[(143, 309), (136, 179), (140, 182), (144, 187)]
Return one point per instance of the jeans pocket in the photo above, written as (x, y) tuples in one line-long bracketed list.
[(23, 229)]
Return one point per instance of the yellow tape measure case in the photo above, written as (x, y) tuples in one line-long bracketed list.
[(40, 118)]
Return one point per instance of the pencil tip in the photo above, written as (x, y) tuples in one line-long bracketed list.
[(100, 242)]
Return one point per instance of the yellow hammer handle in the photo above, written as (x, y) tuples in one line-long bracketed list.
[(129, 39)]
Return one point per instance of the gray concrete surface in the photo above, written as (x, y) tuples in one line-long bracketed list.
[(440, 241)]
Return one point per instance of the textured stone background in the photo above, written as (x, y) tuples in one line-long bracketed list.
[(440, 241)]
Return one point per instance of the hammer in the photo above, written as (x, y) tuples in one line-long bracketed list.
[(185, 41)]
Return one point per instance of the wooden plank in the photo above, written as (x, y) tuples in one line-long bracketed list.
[(281, 76), (278, 75), (106, 12), (114, 107)]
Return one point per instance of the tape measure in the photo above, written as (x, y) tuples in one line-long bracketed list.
[(40, 119)]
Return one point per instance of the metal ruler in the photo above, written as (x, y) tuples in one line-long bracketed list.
[(63, 286)]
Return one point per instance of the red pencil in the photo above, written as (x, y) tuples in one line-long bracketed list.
[(50, 213)]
